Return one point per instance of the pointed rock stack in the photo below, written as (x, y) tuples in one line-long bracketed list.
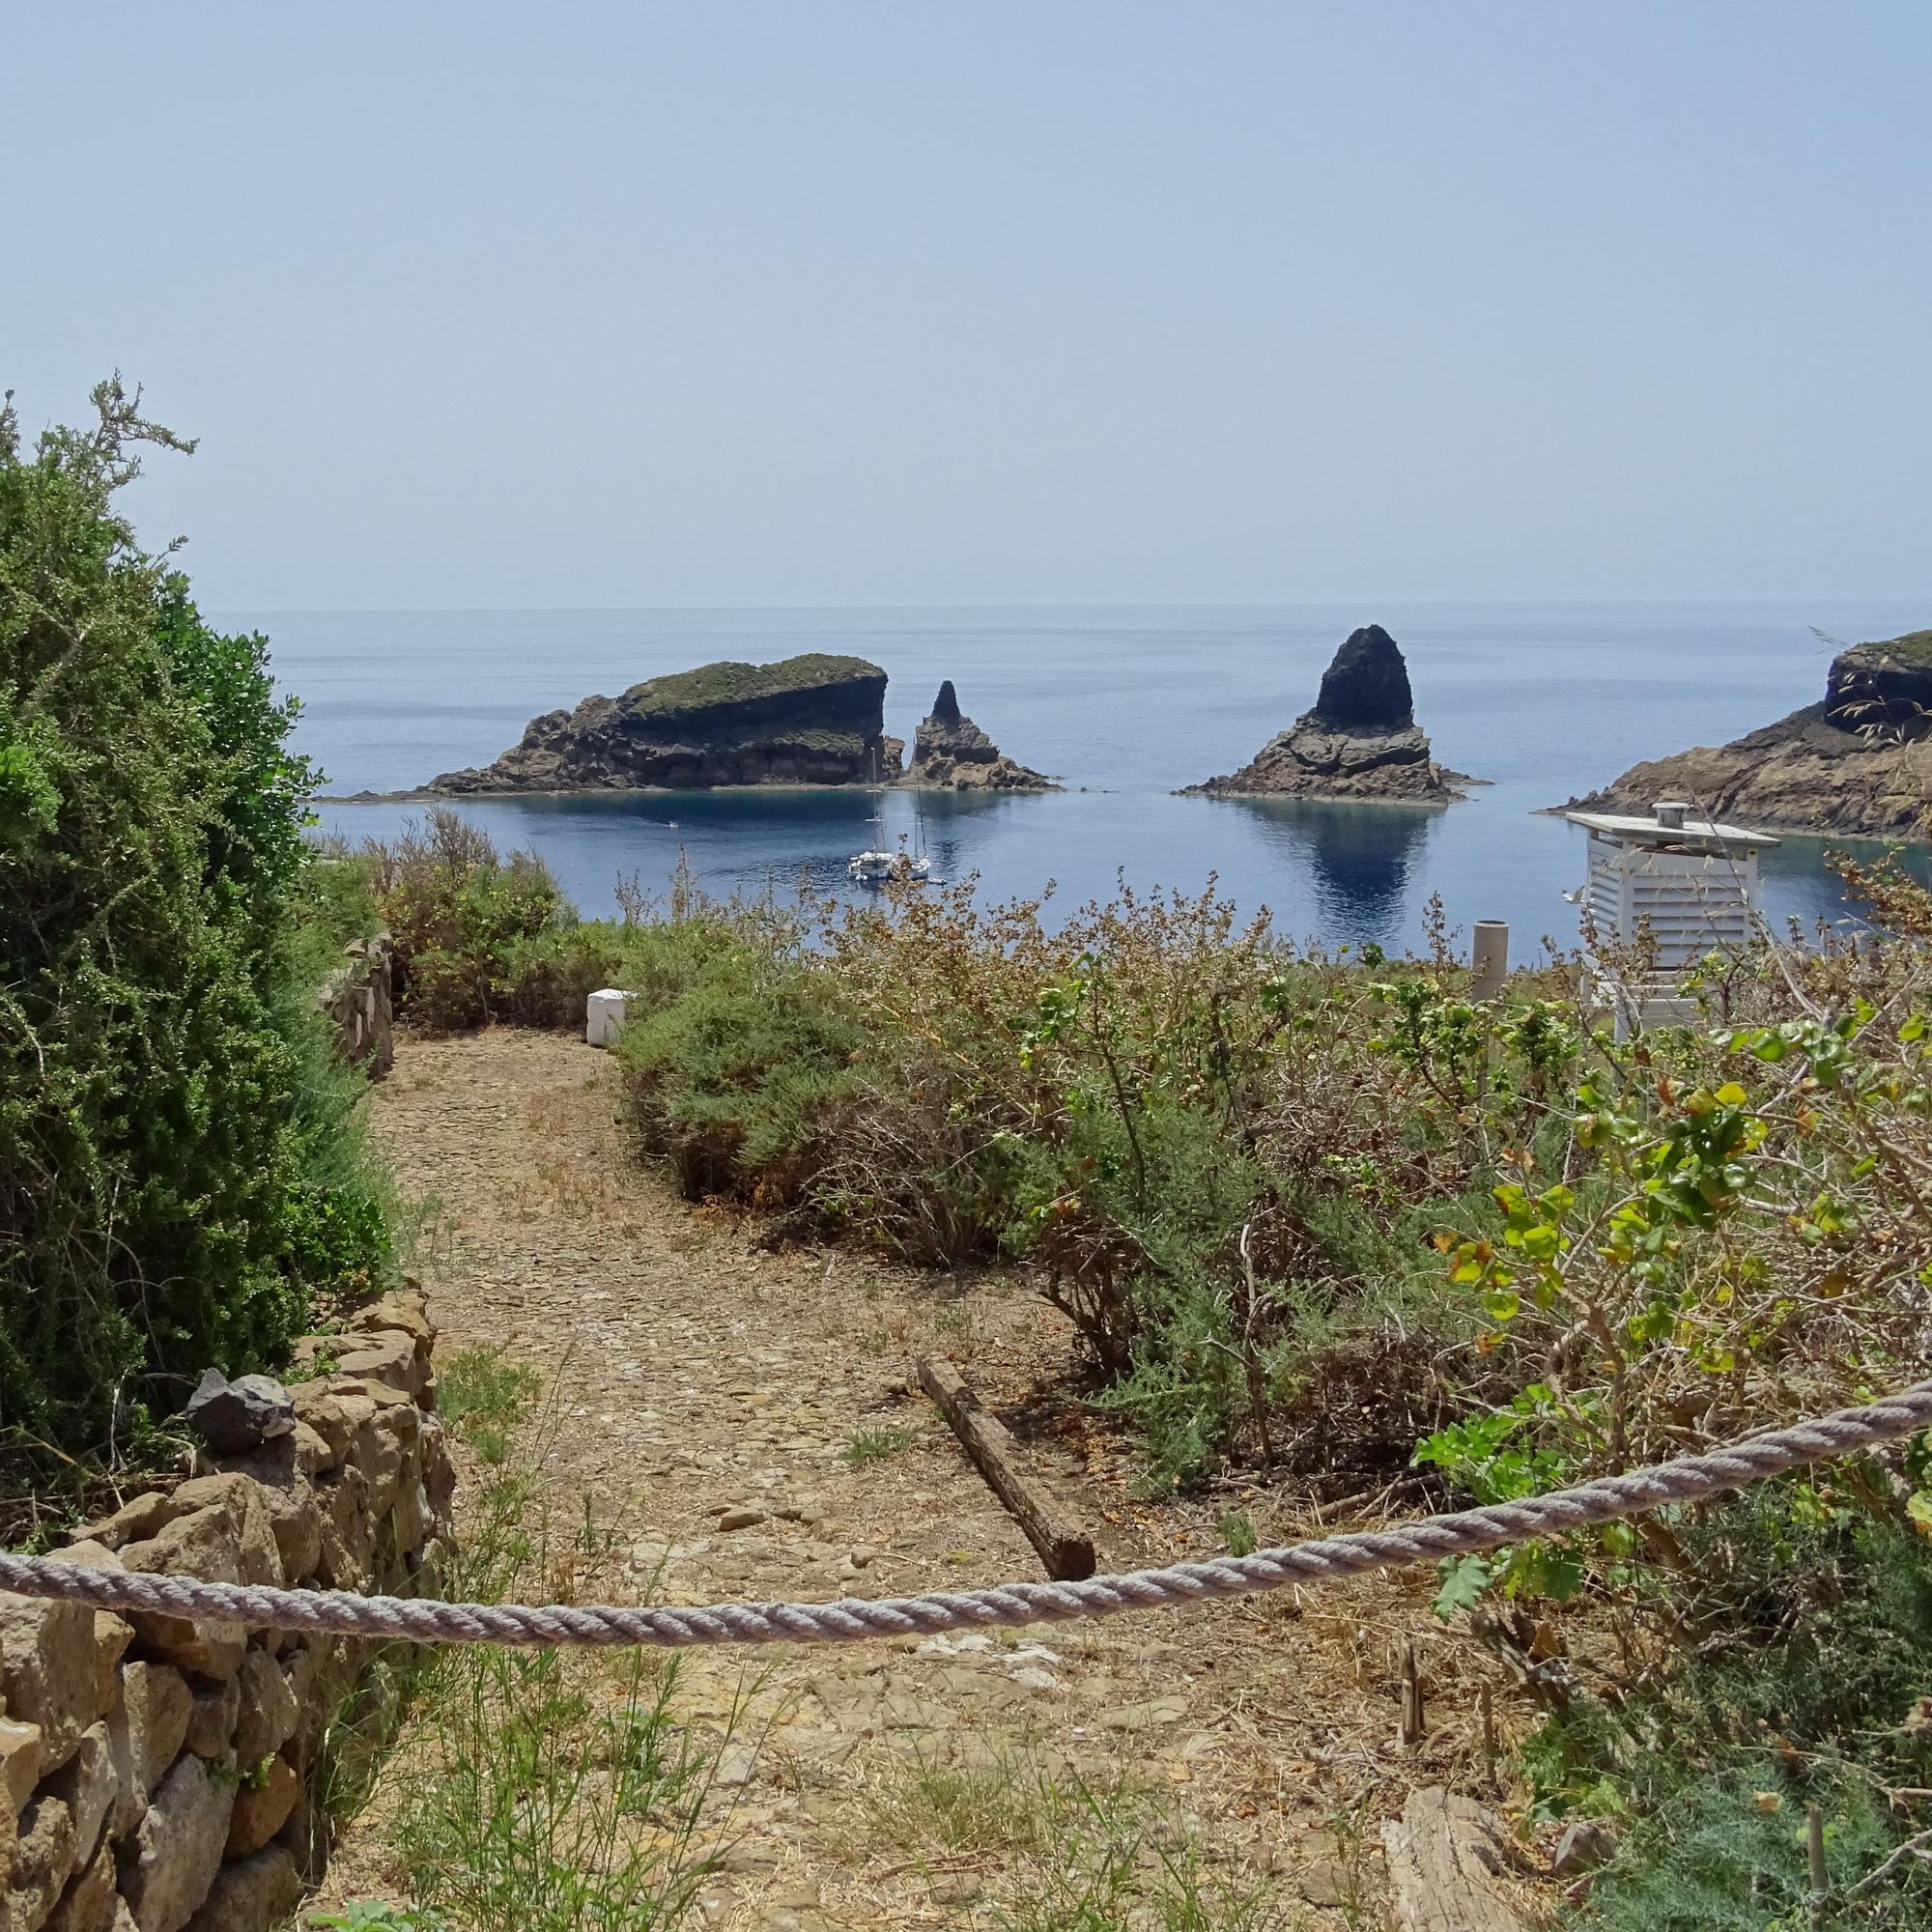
[(1361, 740), (950, 752)]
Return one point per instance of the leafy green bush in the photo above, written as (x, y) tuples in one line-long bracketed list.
[(735, 1079), (180, 1165)]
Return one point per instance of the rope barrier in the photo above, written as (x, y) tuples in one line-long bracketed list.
[(1464, 1533)]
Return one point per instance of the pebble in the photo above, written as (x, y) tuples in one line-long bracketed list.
[(745, 1516)]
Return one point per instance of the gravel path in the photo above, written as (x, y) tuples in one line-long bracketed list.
[(707, 1395)]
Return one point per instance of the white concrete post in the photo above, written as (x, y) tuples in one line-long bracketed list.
[(1488, 958)]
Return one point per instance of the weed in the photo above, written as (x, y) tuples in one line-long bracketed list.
[(483, 1396), (557, 1792), (561, 1795), (1239, 1533), (874, 1445), (366, 1914)]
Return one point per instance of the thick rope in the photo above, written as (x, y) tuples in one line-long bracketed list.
[(1467, 1533)]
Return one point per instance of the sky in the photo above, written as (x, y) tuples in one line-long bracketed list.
[(894, 302)]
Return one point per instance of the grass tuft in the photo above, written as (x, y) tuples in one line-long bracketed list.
[(874, 1445)]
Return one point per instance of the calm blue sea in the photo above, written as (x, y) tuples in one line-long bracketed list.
[(1125, 706)]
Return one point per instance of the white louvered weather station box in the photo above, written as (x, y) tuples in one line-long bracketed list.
[(1682, 887)]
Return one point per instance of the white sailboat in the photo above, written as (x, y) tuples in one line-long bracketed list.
[(878, 867)]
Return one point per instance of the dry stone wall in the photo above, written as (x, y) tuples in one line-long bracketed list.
[(158, 1774), (358, 1001)]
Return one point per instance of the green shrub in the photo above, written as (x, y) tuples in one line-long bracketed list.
[(470, 927), (1806, 1685), (180, 1168), (735, 1079)]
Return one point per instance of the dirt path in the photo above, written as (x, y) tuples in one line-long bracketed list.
[(705, 1381)]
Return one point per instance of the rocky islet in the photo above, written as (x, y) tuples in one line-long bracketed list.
[(952, 754), (816, 719), (1361, 740)]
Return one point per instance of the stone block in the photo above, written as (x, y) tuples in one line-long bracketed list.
[(211, 1723), (112, 1634), (89, 1785), (263, 1808), (312, 1454), (133, 1521), (231, 1417), (147, 1732), (44, 1861), (347, 1531), (319, 1411), (202, 1544), (266, 1718), (388, 1356), (19, 1766), (241, 1499), (286, 1497), (170, 1860), (88, 1904), (406, 1309), (47, 1671), (251, 1895), (439, 1472)]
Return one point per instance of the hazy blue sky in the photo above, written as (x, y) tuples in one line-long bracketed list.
[(822, 301)]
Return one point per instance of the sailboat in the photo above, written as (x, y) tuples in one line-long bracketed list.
[(880, 866)]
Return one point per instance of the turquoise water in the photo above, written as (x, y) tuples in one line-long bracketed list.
[(1126, 707)]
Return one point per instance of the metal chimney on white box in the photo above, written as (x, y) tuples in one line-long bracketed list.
[(1686, 887)]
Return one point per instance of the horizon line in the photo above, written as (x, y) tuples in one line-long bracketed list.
[(1061, 604)]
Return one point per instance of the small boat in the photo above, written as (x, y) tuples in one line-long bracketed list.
[(880, 868)]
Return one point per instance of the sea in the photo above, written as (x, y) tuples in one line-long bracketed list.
[(1124, 706)]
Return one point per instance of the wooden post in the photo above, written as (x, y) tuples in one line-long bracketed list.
[(1814, 1851), (1449, 1866), (1413, 1726), (1051, 1526), (1488, 958)]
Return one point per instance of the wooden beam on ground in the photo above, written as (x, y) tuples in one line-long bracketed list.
[(1449, 1866), (1051, 1526)]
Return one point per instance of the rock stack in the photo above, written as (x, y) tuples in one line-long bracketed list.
[(1858, 763), (1361, 740), (950, 752)]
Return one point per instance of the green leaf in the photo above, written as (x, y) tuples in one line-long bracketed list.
[(1464, 1578)]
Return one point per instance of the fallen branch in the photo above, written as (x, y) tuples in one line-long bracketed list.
[(1051, 1526)]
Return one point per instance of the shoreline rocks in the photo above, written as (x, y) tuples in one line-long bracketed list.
[(1858, 763), (814, 720), (1360, 741), (952, 754)]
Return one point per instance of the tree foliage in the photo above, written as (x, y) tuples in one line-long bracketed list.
[(178, 1163)]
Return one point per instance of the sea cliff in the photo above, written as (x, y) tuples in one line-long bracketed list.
[(1858, 763), (810, 720)]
